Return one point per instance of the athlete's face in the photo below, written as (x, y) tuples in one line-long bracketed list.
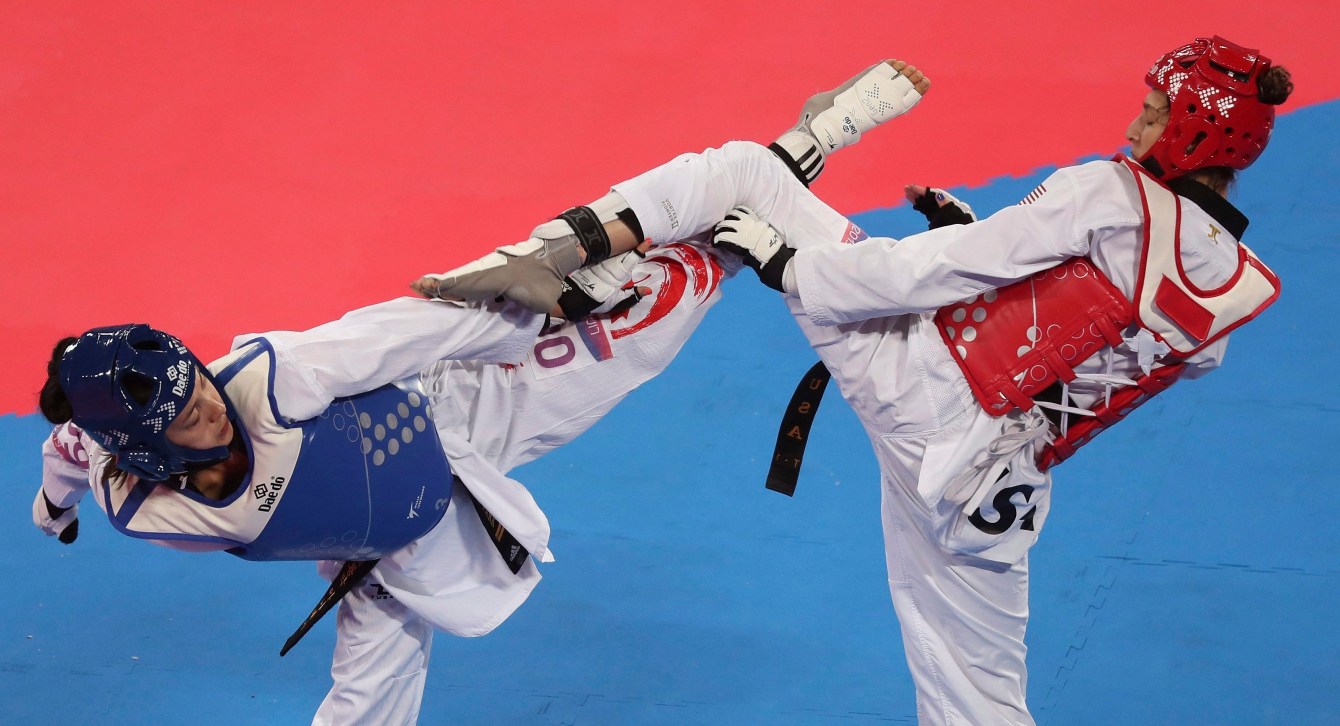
[(203, 421), (1149, 125)]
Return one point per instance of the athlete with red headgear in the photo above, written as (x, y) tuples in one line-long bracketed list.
[(979, 355)]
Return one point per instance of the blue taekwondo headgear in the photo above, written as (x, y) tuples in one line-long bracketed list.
[(93, 374)]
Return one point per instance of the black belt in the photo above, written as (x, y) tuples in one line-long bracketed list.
[(348, 578), (353, 572), (794, 433)]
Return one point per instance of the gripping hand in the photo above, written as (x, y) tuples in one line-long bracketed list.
[(758, 244), (55, 521), (603, 288), (939, 207)]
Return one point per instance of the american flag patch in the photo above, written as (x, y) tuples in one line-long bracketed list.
[(1035, 195)]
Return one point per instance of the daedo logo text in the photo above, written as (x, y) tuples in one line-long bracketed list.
[(268, 492)]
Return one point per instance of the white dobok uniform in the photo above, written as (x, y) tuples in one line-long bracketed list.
[(553, 384), (867, 305)]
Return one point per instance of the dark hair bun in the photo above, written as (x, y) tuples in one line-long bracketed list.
[(55, 406), (1274, 86)]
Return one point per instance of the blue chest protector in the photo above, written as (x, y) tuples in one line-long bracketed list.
[(365, 478), (370, 478)]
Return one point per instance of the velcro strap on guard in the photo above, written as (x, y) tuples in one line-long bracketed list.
[(806, 168), (590, 233)]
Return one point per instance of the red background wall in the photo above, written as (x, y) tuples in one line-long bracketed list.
[(218, 168)]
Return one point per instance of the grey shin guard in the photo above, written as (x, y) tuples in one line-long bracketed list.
[(528, 273), (531, 273)]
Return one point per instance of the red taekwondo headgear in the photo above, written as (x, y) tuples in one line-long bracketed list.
[(1213, 104)]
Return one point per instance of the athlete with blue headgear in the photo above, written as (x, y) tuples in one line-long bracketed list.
[(383, 437)]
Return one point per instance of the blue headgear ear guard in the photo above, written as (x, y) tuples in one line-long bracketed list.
[(95, 374)]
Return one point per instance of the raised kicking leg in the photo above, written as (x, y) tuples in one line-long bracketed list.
[(687, 196)]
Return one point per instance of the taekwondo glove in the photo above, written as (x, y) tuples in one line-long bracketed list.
[(55, 521), (758, 244), (939, 207), (606, 287)]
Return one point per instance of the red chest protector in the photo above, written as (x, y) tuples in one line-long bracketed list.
[(1015, 342)]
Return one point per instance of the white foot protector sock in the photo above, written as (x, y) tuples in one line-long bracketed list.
[(877, 95)]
